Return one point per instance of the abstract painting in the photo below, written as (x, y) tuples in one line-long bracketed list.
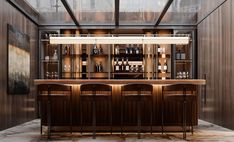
[(18, 62)]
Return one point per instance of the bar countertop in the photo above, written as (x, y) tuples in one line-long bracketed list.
[(121, 81)]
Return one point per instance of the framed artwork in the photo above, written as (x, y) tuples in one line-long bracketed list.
[(18, 62)]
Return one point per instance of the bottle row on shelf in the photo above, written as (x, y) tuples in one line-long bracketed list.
[(125, 66), (51, 75), (182, 75), (128, 50)]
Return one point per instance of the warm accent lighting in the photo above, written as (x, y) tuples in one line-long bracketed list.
[(119, 40)]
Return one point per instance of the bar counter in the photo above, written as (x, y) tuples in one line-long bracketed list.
[(173, 113), (121, 81)]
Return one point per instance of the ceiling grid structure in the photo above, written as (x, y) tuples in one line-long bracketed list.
[(113, 14)]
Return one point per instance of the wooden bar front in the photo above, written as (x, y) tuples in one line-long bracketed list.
[(173, 109)]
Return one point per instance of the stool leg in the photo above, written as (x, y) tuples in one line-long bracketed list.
[(122, 107), (162, 113), (184, 118), (139, 118), (70, 110), (151, 116), (81, 116), (110, 113), (49, 119), (94, 118)]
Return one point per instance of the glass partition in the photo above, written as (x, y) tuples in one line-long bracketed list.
[(143, 12)]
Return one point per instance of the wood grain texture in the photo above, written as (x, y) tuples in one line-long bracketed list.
[(173, 109), (16, 109), (215, 59), (122, 81)]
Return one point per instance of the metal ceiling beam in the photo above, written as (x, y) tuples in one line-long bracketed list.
[(169, 2), (117, 13), (68, 8)]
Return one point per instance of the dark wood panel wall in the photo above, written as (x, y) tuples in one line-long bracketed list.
[(215, 59), (16, 109)]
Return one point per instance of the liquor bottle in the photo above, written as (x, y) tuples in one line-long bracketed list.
[(126, 50), (159, 67), (137, 50), (122, 65), (55, 56), (117, 50), (65, 50), (165, 66), (96, 67), (159, 50), (178, 55), (127, 66), (100, 68), (84, 71), (117, 67), (95, 50), (100, 50), (131, 49)]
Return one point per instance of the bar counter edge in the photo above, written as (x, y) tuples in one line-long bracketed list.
[(121, 81)]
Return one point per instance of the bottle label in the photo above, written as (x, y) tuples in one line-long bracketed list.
[(165, 67), (159, 67), (127, 68), (117, 68)]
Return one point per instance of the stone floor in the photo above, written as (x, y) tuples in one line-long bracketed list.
[(30, 132)]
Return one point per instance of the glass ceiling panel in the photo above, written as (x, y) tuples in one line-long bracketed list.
[(93, 12), (140, 12), (51, 12), (182, 12), (189, 11)]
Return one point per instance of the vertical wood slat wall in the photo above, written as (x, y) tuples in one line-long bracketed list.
[(215, 59), (16, 109)]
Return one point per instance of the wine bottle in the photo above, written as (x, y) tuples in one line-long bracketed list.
[(137, 50), (96, 67), (55, 56), (165, 66), (131, 50), (127, 66), (95, 50), (117, 50), (126, 50), (100, 68), (65, 50), (100, 50), (159, 67), (178, 55), (117, 65), (122, 65)]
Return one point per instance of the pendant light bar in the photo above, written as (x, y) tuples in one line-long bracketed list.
[(119, 40)]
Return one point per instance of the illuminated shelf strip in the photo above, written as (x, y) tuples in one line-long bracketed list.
[(119, 40)]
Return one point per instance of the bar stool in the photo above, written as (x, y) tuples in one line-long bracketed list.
[(181, 93), (137, 92), (94, 92), (48, 93)]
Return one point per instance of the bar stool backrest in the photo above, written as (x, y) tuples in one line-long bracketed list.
[(95, 89), (180, 87), (53, 89), (137, 89)]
